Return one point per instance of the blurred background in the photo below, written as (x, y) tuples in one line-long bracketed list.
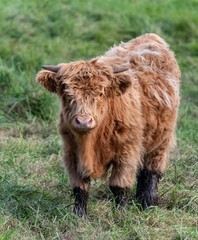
[(34, 33)]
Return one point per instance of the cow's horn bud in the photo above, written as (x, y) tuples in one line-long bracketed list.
[(120, 69), (52, 68)]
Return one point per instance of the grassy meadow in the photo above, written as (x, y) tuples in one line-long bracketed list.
[(35, 197)]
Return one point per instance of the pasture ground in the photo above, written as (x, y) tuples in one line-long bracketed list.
[(35, 197)]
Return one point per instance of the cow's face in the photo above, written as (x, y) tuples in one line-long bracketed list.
[(85, 89)]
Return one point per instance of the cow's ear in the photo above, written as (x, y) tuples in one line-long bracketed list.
[(48, 78), (119, 84)]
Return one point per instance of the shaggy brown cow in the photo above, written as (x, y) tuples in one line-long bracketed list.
[(118, 110)]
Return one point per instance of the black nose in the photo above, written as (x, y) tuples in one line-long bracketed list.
[(85, 122)]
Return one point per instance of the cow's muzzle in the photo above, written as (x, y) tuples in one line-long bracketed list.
[(84, 123)]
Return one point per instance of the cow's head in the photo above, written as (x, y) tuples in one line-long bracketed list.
[(85, 89)]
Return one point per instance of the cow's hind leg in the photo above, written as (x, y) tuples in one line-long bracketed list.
[(121, 181), (148, 177), (146, 193)]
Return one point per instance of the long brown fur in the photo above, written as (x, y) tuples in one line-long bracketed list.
[(135, 110)]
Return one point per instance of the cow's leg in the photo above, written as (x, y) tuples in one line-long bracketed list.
[(79, 185), (80, 192), (146, 192), (148, 178), (121, 181)]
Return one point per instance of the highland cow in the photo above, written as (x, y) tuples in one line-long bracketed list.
[(118, 110)]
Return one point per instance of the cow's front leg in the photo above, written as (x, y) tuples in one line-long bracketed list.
[(121, 181), (79, 184), (81, 197)]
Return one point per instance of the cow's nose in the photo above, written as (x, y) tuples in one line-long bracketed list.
[(84, 122)]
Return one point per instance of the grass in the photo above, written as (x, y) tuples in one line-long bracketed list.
[(35, 197)]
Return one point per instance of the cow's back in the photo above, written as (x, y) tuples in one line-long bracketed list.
[(154, 68), (158, 74)]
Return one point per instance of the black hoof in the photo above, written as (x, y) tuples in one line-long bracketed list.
[(81, 198), (146, 200), (121, 195), (146, 193), (80, 211)]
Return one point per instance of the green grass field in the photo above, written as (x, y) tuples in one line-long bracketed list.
[(35, 197)]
